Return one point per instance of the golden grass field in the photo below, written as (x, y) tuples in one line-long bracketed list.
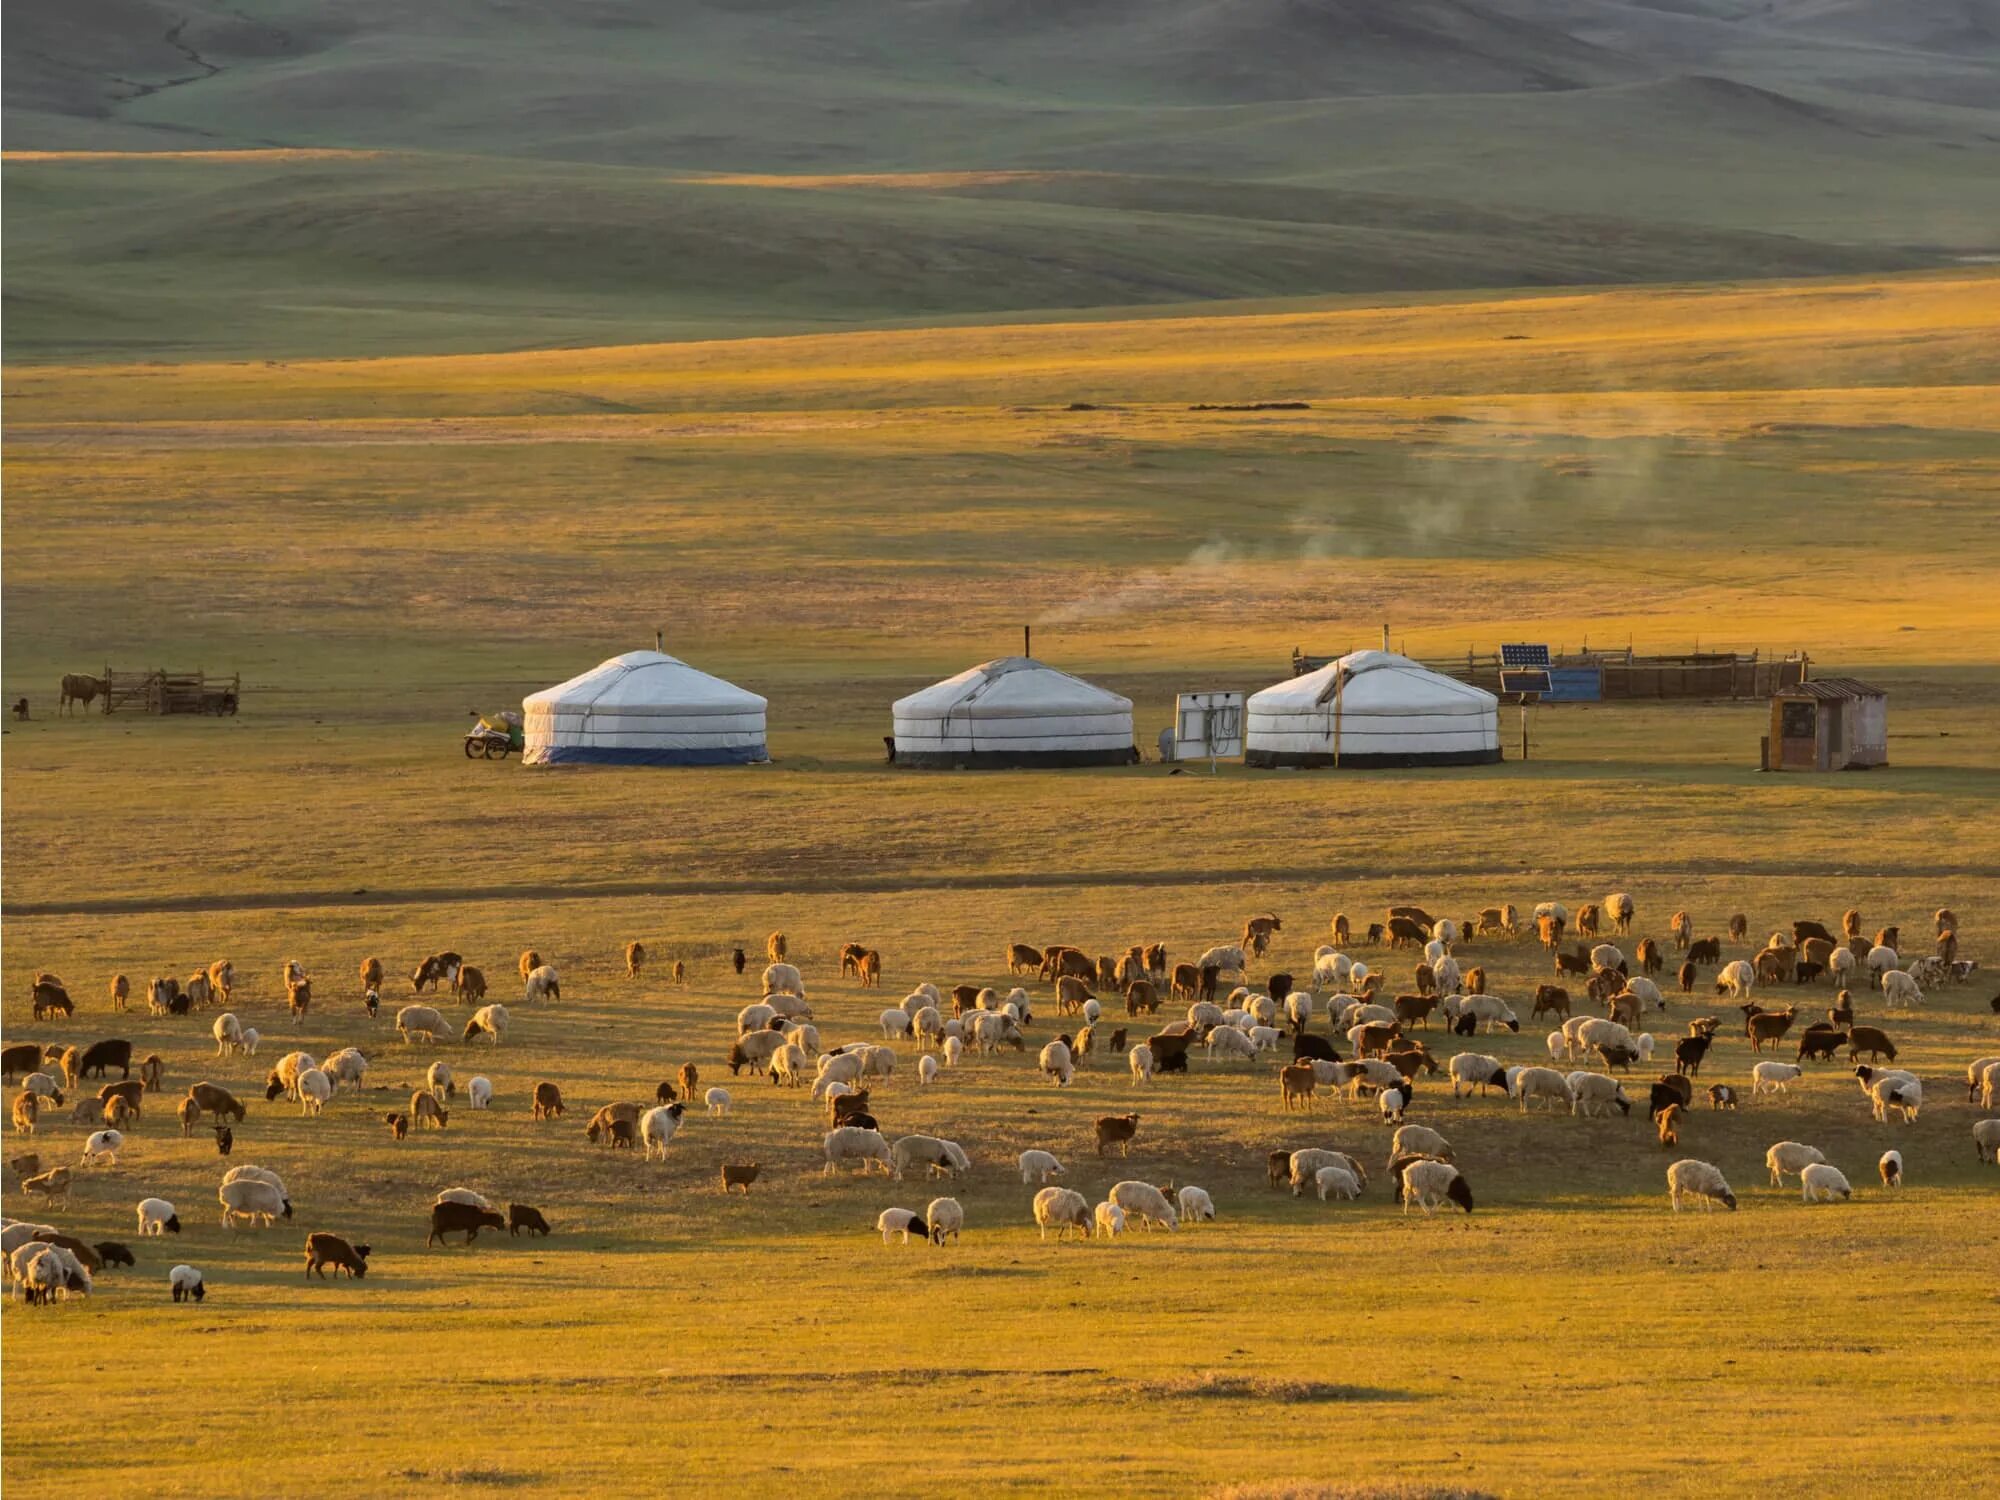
[(381, 545)]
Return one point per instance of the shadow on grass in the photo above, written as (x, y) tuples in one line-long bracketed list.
[(1213, 1385)]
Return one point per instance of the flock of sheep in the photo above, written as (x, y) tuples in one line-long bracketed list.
[(1384, 1061)]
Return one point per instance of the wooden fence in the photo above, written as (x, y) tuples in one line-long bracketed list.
[(159, 691)]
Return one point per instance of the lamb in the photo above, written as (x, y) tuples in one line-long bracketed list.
[(186, 1284), (953, 1049), (1891, 1168), (1774, 1077), (423, 1021), (1145, 1202), (603, 1124), (441, 1081), (323, 1250), (900, 1221), (1901, 989), (838, 1067), (522, 1216), (1700, 1182), (157, 1216), (1305, 1166), (657, 1127), (1431, 1184), (1141, 1060), (1227, 1041), (1789, 1158), (1039, 1166), (945, 1220), (253, 1202), (1822, 1184), (1194, 1205), (1337, 1181), (853, 1143), (1062, 1209), (1543, 1083), (1596, 1093)]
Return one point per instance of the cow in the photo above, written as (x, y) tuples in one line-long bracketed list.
[(79, 688)]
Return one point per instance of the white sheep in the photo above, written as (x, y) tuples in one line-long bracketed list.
[(791, 1007), (1822, 1184), (1774, 1077), (541, 984), (1905, 1096), (1891, 1168), (945, 1219), (895, 1023), (1263, 1010), (1435, 951), (837, 1067), (1606, 956), (1227, 1041), (1299, 1009), (1789, 1158), (186, 1284), (1881, 959), (1145, 1202), (1648, 992), (314, 1089), (253, 1202), (784, 979), (1141, 1059), (1593, 1032), (101, 1150), (1841, 965), (441, 1081), (228, 1033), (1092, 1012), (755, 1018), (479, 1091), (1447, 976), (1419, 1140), (1393, 1101), (1900, 989), (1194, 1205), (804, 1034), (251, 1037), (1986, 1139), (928, 1024), (249, 1173), (347, 1068), (489, 1021), (953, 1049), (927, 1071), (893, 1221), (1701, 1182), (1057, 1062), (1110, 1220), (1039, 1166), (788, 1067), (853, 1143), (1735, 979), (1431, 1184), (157, 1216), (1975, 1076), (421, 1021), (1265, 1038), (14, 1233), (470, 1197), (657, 1127), (717, 1100), (1063, 1210), (1336, 1180), (1306, 1164), (42, 1086), (1543, 1083), (1491, 1011), (1592, 1094)]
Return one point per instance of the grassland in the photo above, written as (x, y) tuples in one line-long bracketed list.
[(382, 544)]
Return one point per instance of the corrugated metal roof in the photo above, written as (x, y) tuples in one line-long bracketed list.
[(1832, 687)]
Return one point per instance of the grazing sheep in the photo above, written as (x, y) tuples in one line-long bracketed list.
[(489, 1021), (1721, 1096), (1431, 1184), (1194, 1205), (1901, 989), (1394, 1100), (323, 1250), (853, 1143), (441, 1081), (421, 1020), (657, 1127), (1700, 1182), (1039, 1166), (1669, 1121), (425, 1109), (214, 1100), (901, 1221), (1593, 1094), (1543, 1083), (1736, 979), (717, 1100), (1337, 1181), (541, 983), (945, 1220), (314, 1089), (1895, 1090), (456, 1218), (1145, 1202), (1821, 1183), (522, 1216), (1789, 1158), (186, 1284), (1880, 960), (479, 1091), (1063, 1210), (1986, 1140), (1141, 1060), (1872, 1040), (1774, 1077), (1057, 1063), (1419, 1140), (252, 1202), (1303, 1167), (1891, 1168)]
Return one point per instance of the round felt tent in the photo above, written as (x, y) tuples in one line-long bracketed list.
[(1372, 708), (1015, 711), (644, 709)]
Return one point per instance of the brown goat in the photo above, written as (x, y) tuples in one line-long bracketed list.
[(1297, 1082), (548, 1101), (635, 959), (738, 1174), (121, 991), (425, 1109), (1116, 1130), (1670, 1126), (775, 948), (528, 962), (323, 1250), (399, 1125)]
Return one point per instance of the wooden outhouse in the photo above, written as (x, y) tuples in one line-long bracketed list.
[(1828, 724)]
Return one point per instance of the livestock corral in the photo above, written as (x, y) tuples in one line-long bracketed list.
[(1226, 1128)]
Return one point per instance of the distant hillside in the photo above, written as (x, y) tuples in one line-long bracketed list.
[(1154, 150)]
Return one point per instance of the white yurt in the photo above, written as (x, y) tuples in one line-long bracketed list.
[(644, 708), (1372, 708), (1015, 711)]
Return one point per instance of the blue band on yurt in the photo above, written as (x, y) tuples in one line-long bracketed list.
[(588, 755)]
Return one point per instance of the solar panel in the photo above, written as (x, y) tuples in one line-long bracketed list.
[(1524, 680), (1524, 656)]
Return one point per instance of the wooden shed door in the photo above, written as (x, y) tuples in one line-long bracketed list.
[(1798, 735)]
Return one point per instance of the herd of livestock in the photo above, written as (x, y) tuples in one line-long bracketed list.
[(1337, 1030)]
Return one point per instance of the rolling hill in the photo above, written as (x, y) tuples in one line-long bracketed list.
[(604, 170)]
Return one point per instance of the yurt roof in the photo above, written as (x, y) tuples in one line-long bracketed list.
[(1377, 682), (1010, 687), (644, 682)]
